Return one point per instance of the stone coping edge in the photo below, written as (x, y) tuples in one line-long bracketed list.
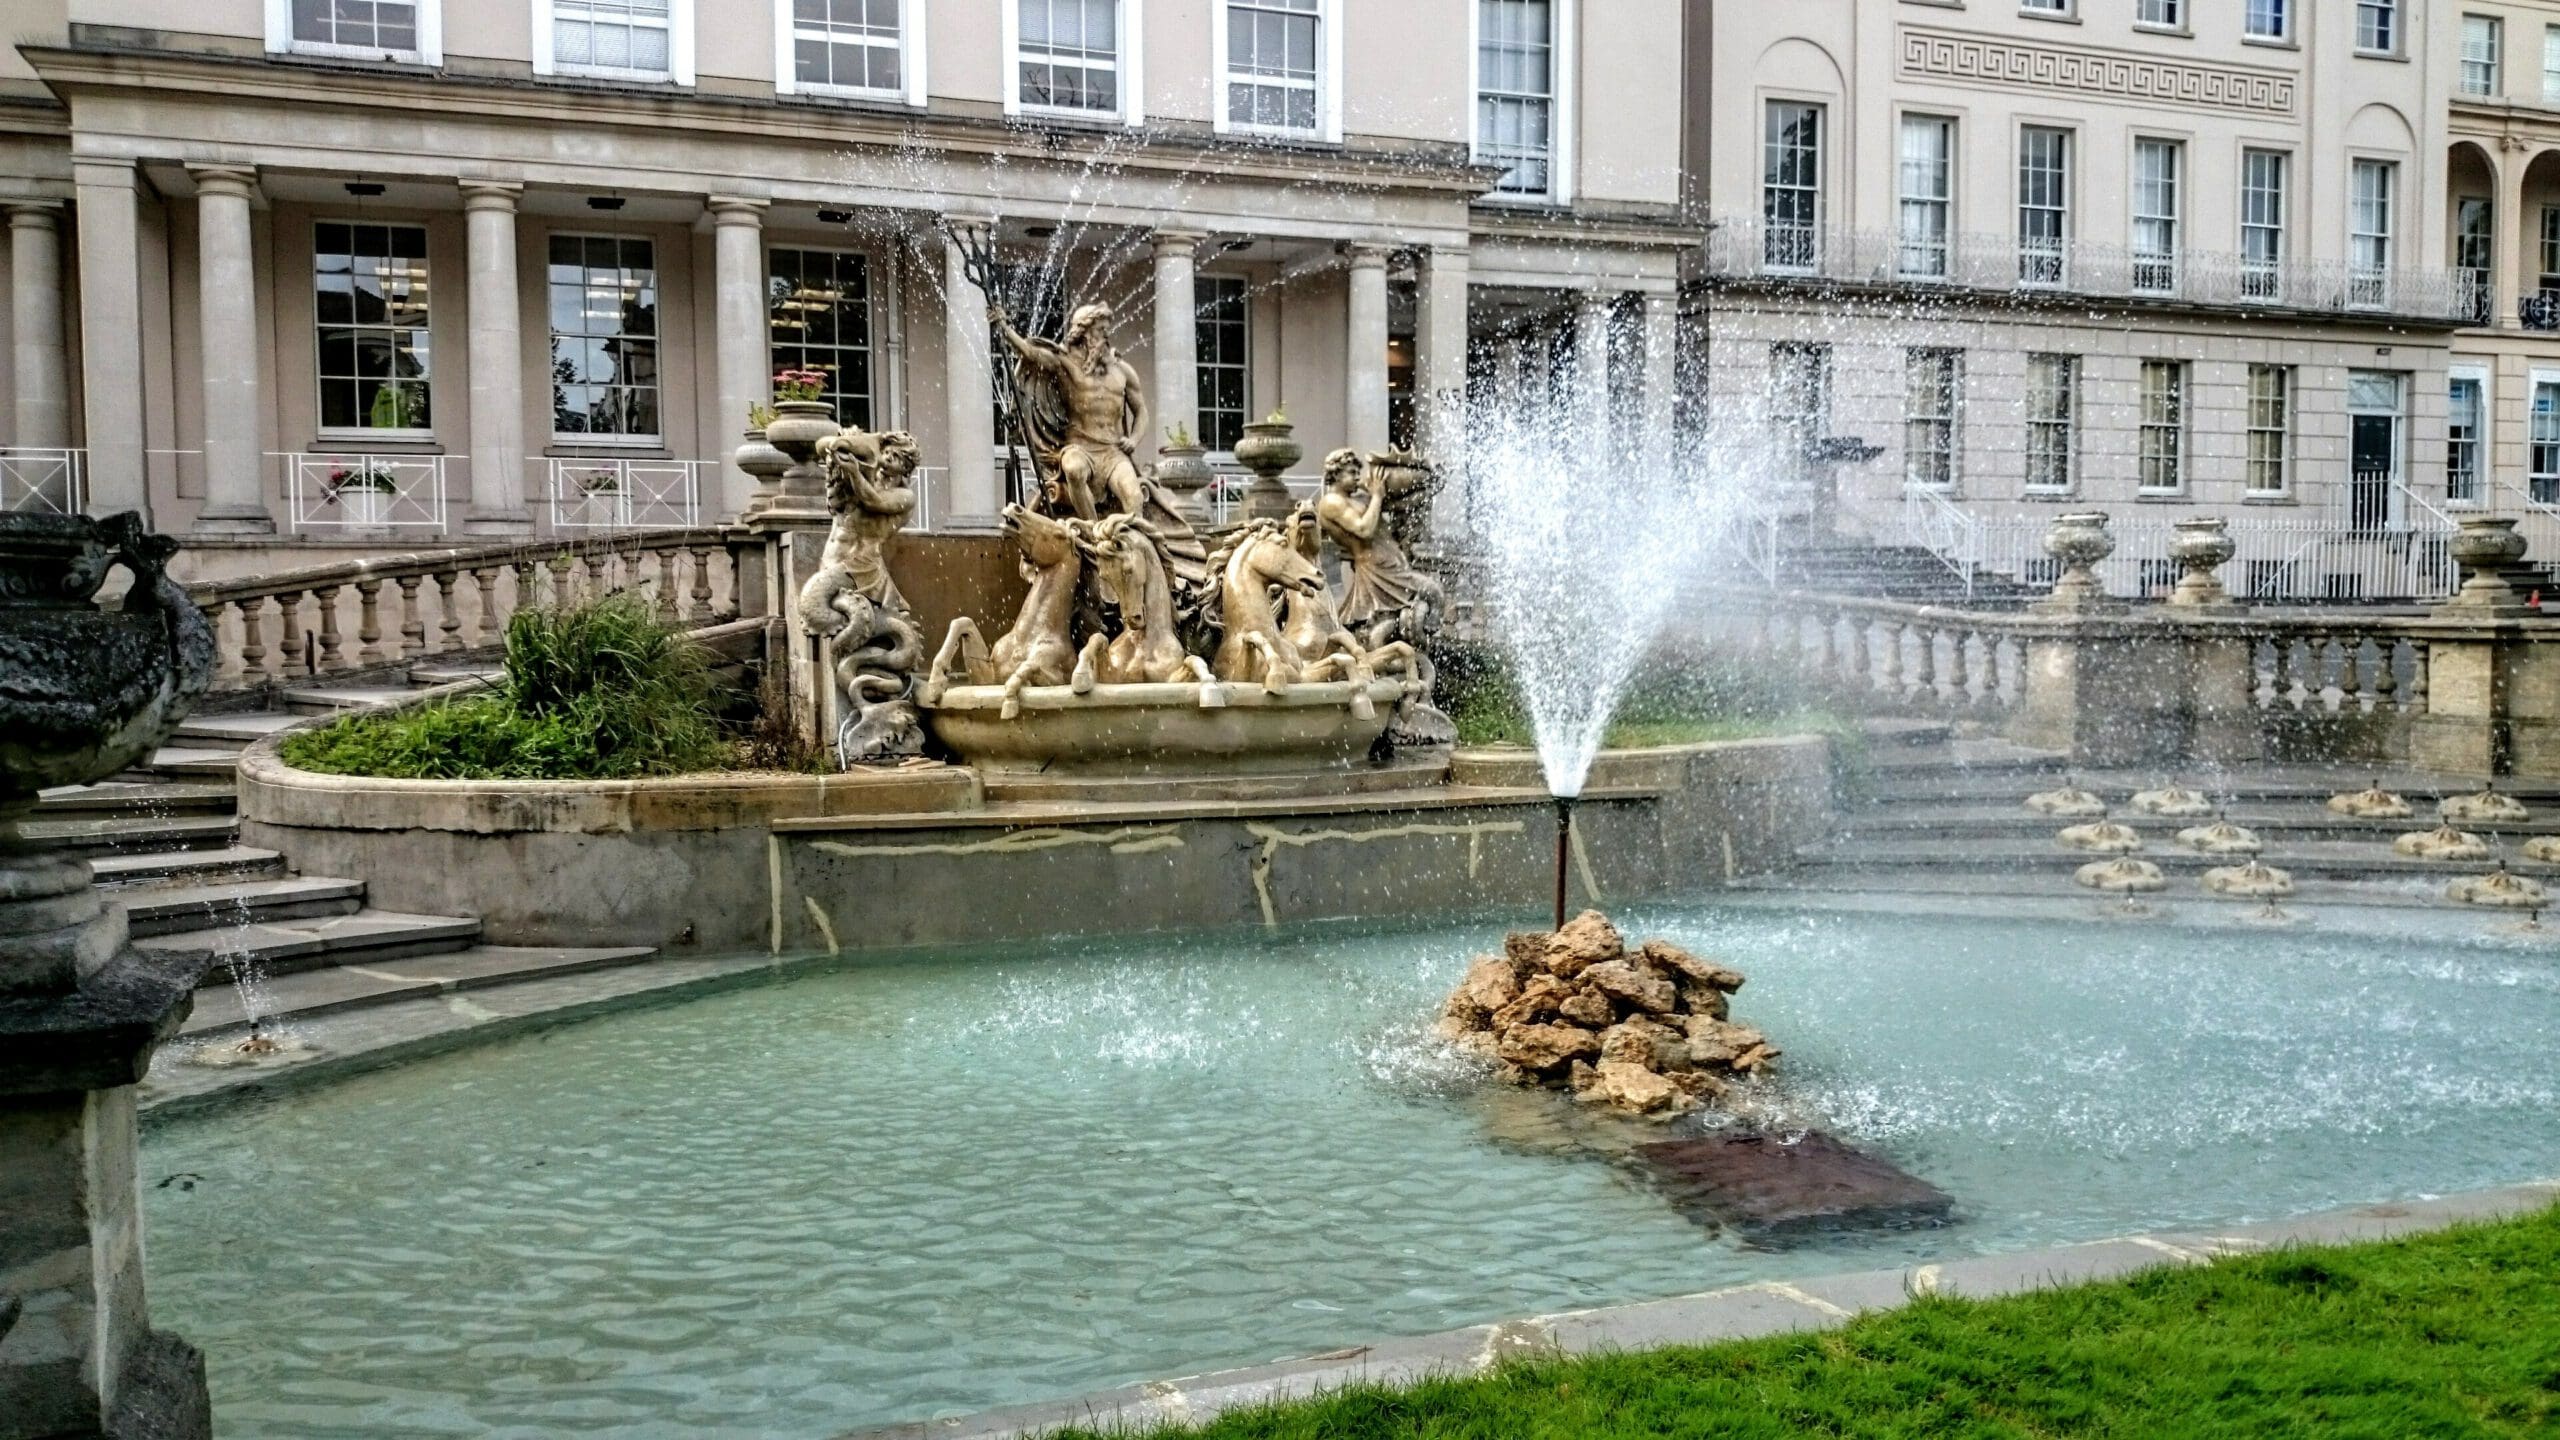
[(1741, 1312)]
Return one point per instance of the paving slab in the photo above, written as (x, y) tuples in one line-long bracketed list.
[(232, 861), (134, 833), (330, 699), (356, 984), (253, 902), (235, 731), (129, 797), (282, 947)]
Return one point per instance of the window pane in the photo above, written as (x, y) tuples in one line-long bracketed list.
[(603, 336), (370, 302)]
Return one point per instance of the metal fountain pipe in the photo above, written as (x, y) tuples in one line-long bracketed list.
[(1564, 847)]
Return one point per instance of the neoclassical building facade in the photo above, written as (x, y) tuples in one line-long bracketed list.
[(312, 269)]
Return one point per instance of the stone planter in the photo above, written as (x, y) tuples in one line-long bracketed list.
[(796, 429), (2486, 547), (1184, 471), (762, 462), (1160, 730), (1268, 449), (2201, 546), (2079, 540)]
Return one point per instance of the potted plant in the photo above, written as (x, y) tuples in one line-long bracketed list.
[(1182, 467), (1268, 448), (363, 493), (802, 417)]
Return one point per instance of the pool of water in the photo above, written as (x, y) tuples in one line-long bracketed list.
[(926, 1187)]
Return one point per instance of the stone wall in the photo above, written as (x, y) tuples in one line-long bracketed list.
[(820, 863)]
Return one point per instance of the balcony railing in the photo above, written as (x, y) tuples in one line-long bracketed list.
[(356, 494), (612, 493), (49, 482), (1747, 248)]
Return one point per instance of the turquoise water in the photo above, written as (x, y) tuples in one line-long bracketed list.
[(934, 1186)]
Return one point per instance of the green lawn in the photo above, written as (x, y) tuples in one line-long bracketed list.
[(2451, 1334)]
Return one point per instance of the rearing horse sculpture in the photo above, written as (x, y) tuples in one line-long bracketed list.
[(1259, 563), (1036, 651), (1130, 571), (1312, 621)]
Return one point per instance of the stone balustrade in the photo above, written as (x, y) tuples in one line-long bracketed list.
[(357, 615)]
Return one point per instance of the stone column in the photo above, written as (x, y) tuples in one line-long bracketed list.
[(227, 303), (1364, 369), (1591, 359), (1510, 370), (1661, 366), (744, 353), (41, 366), (1177, 347), (111, 335), (1440, 359), (2513, 243), (496, 345), (968, 387)]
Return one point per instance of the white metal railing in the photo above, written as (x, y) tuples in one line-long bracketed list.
[(1746, 247), (1944, 528), (1225, 496), (2275, 558), (51, 482), (620, 493), (352, 492)]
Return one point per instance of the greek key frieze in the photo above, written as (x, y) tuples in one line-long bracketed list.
[(2010, 64)]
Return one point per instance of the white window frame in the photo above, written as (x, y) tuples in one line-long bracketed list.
[(2480, 74), (2263, 278), (2156, 267), (430, 51), (1808, 258), (600, 440), (2476, 376), (2048, 9), (2542, 438), (1201, 365), (679, 69), (1563, 54), (911, 34), (1951, 421), (2060, 254), (319, 368), (1132, 62), (873, 345), (2283, 31), (2390, 17), (2161, 441), (2067, 427), (2551, 64), (1939, 246), (2282, 430), (2383, 239), (1328, 129), (2172, 22)]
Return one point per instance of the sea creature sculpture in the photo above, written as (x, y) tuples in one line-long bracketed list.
[(1037, 650), (851, 602)]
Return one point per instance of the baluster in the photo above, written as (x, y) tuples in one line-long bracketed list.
[(369, 622), (326, 598), (1959, 673), (701, 584), (253, 640), (2350, 672), (448, 614), (492, 624), (2262, 681), (560, 583), (598, 561), (413, 622), (667, 585), (2418, 677), (2386, 668), (1860, 676), (1826, 645), (2285, 675), (289, 620), (1892, 657), (526, 596), (224, 659), (1924, 678)]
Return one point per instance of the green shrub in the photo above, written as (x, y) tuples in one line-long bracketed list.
[(599, 691), (1677, 696)]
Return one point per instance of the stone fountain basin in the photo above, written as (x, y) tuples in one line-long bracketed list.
[(1162, 729)]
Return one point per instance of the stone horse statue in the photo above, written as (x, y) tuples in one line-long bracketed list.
[(1129, 568), (851, 602), (1037, 650), (1257, 564), (1312, 621)]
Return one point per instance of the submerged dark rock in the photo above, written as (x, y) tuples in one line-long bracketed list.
[(1782, 1186)]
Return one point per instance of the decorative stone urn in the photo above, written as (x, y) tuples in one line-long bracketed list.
[(1268, 448), (84, 692), (2487, 547), (766, 464), (795, 430), (1184, 471), (2079, 540), (2201, 546)]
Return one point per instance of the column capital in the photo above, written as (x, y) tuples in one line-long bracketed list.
[(1595, 299), (1657, 302), (105, 170), (1181, 244), (736, 209), (239, 182), (491, 194), (1368, 257), (1448, 254), (33, 214)]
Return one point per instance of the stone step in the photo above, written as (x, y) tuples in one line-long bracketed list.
[(247, 902), (289, 946), (336, 699), (358, 984), (2272, 819), (135, 797), (232, 862), (1926, 892), (133, 834), (184, 762), (432, 673), (1885, 732), (236, 731), (2330, 858)]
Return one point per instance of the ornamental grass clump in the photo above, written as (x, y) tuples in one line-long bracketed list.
[(599, 691)]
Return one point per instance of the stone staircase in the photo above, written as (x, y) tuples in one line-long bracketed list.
[(163, 840), (1894, 572), (1939, 822)]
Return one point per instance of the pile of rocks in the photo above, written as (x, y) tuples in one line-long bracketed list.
[(1647, 1030)]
